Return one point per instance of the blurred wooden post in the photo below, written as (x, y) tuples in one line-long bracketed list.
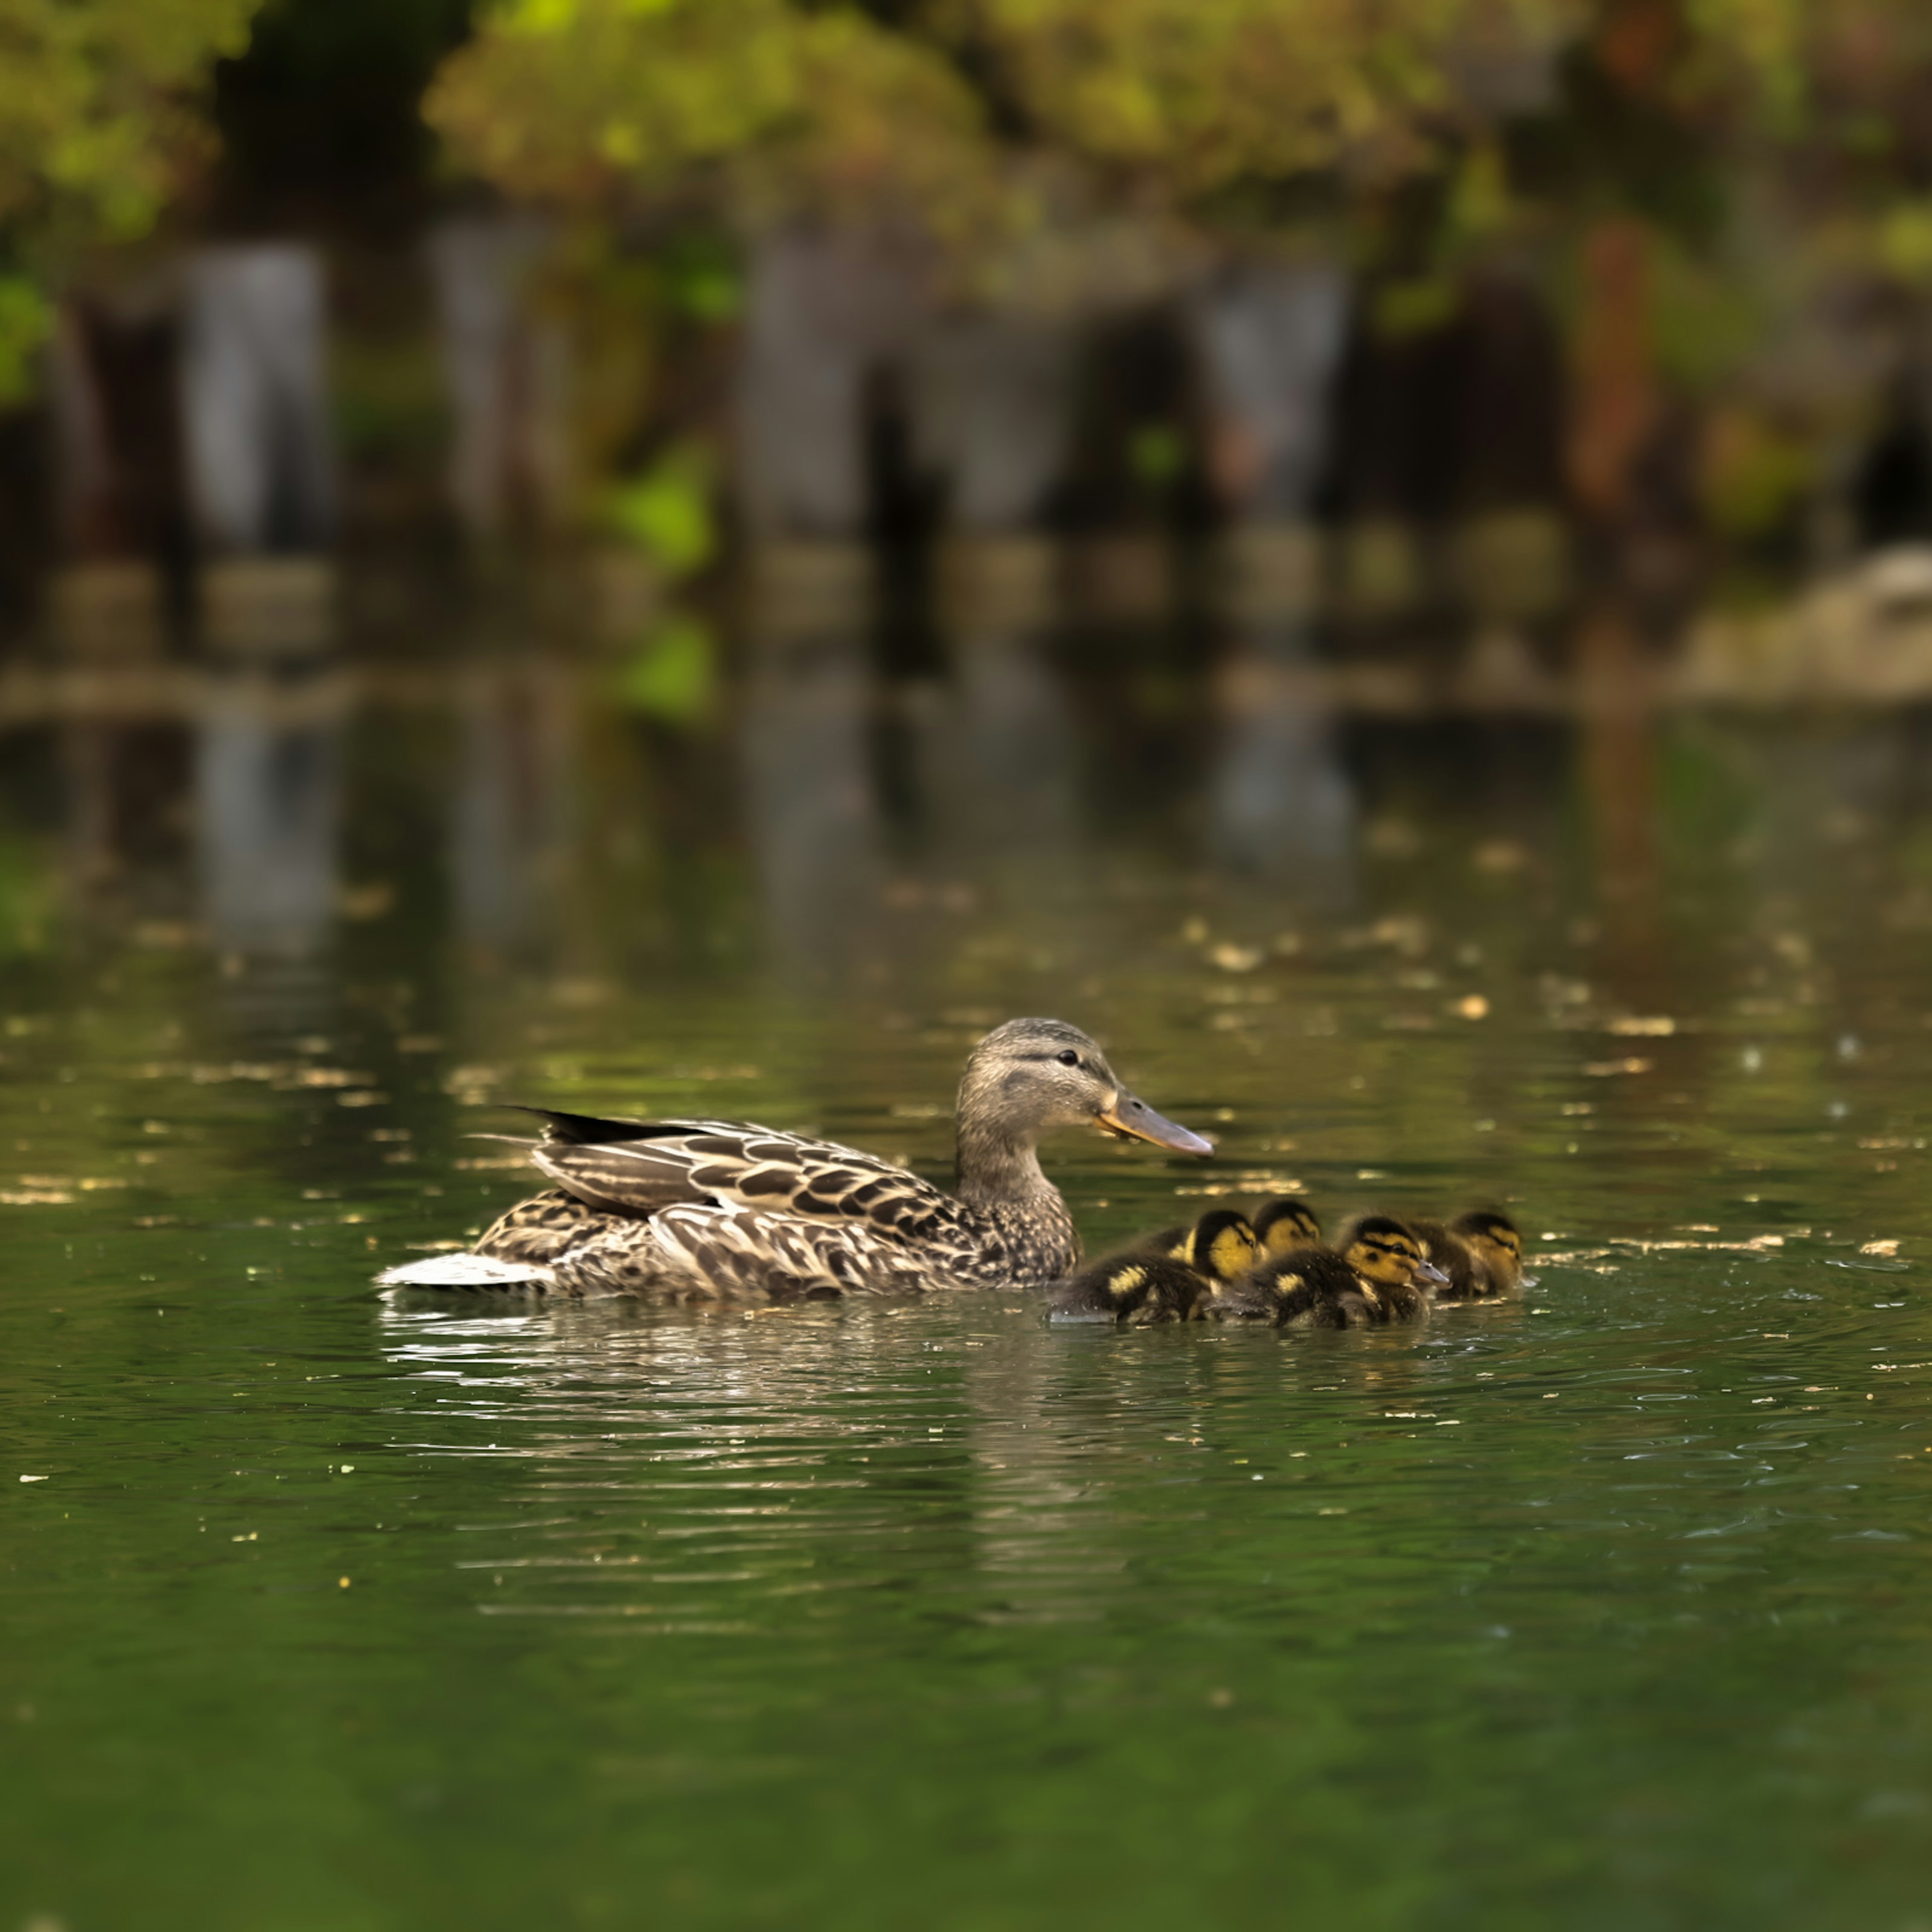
[(1269, 338), (1616, 412), (824, 309), (1615, 398), (260, 468), (507, 373), (120, 509), (993, 408)]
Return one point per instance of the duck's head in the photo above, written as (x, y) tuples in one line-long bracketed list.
[(1030, 1076), (1498, 1244), (1381, 1250), (1284, 1224), (1221, 1245)]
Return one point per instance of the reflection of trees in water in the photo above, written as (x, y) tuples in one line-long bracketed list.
[(1280, 801), (511, 826), (128, 812), (810, 809), (269, 798)]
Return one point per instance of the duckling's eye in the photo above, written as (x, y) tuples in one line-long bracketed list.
[(1069, 1058)]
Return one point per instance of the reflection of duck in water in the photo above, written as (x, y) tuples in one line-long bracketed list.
[(1164, 1277), (708, 1209)]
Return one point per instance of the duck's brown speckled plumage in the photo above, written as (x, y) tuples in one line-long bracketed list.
[(720, 1210), (735, 1213)]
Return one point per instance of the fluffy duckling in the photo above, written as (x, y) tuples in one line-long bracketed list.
[(1285, 1223), (1221, 1246), (1494, 1241), (1140, 1289), (1165, 1278), (1307, 1288), (1389, 1255), (1468, 1276)]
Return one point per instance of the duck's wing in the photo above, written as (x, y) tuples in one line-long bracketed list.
[(642, 1167)]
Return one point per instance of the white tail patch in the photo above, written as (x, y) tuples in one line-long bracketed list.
[(464, 1271)]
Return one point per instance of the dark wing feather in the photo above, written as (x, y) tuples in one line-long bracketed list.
[(646, 1165), (584, 1129)]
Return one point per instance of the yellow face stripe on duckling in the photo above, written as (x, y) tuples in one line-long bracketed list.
[(1391, 1259), (1294, 1228), (1232, 1252), (1499, 1245), (1126, 1282), (1221, 1245)]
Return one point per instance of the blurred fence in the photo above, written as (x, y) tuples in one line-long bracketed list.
[(1255, 451)]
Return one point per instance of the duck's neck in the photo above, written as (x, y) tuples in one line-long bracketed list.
[(991, 1166)]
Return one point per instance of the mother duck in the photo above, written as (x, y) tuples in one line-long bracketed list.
[(717, 1210)]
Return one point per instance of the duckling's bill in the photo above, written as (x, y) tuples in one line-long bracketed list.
[(1133, 1119)]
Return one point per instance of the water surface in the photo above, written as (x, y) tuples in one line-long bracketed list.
[(322, 1609)]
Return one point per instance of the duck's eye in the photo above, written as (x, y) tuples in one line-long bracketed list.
[(1069, 1058)]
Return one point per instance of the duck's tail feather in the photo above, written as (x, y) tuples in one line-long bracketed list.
[(460, 1269)]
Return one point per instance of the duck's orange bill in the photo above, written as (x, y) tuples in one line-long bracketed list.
[(1136, 1119)]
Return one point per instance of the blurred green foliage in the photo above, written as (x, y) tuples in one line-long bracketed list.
[(26, 320), (97, 112), (1157, 454), (1774, 150), (774, 106), (667, 512), (674, 676)]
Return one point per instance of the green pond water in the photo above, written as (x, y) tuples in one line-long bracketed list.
[(321, 1610)]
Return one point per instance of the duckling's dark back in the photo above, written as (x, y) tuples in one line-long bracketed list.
[(1136, 1288), (1468, 1274), (1310, 1288)]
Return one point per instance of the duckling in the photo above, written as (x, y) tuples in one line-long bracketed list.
[(1285, 1223), (1468, 1276), (1387, 1254), (1493, 1239), (1307, 1288), (1163, 1278), (1140, 1289), (1221, 1246)]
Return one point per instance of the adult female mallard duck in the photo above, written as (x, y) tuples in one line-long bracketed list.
[(1164, 1278), (717, 1210)]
